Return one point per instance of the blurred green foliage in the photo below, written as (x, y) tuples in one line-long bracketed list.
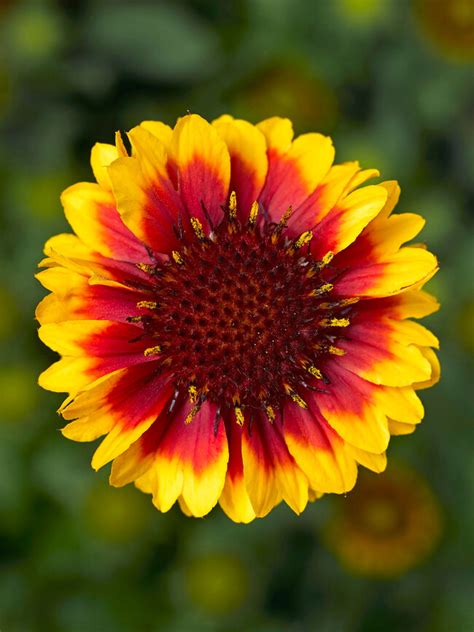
[(391, 81)]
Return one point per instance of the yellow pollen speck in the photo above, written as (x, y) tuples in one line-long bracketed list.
[(192, 413), (134, 319), (145, 267), (233, 205), (315, 372), (336, 351), (239, 416), (270, 414), (193, 393), (334, 322), (253, 213), (147, 305), (177, 257), (304, 238), (197, 227), (152, 351)]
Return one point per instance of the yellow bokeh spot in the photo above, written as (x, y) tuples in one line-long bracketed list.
[(116, 515), (216, 583), (39, 193), (363, 10), (35, 32), (19, 393)]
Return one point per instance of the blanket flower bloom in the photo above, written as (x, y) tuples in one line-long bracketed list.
[(388, 525), (233, 314)]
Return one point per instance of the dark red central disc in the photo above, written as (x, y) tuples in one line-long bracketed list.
[(236, 317)]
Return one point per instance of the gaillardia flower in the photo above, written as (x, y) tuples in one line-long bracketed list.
[(233, 313), (387, 525)]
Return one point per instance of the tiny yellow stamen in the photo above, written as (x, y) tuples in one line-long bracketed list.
[(134, 319), (152, 351), (286, 216), (295, 397), (323, 289), (197, 227), (253, 213), (304, 238), (192, 413), (177, 257), (193, 393), (233, 205), (334, 322), (270, 414), (349, 301), (145, 267), (336, 351), (239, 415), (315, 372), (281, 224), (147, 305), (328, 257)]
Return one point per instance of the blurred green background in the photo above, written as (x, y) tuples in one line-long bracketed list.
[(392, 82)]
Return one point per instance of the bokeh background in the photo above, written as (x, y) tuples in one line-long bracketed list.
[(392, 82)]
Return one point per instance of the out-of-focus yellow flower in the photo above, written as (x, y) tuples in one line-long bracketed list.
[(389, 524), (116, 515), (465, 328), (293, 90), (449, 25), (216, 583)]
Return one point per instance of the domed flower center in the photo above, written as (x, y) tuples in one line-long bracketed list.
[(242, 318)]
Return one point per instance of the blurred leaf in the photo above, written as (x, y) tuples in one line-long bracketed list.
[(152, 40)]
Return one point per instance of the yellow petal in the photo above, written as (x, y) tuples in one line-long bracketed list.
[(401, 404), (398, 428), (432, 358), (161, 131), (130, 465), (102, 155), (87, 430), (374, 462), (278, 133)]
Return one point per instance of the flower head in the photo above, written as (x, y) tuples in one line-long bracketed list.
[(387, 525), (233, 314)]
